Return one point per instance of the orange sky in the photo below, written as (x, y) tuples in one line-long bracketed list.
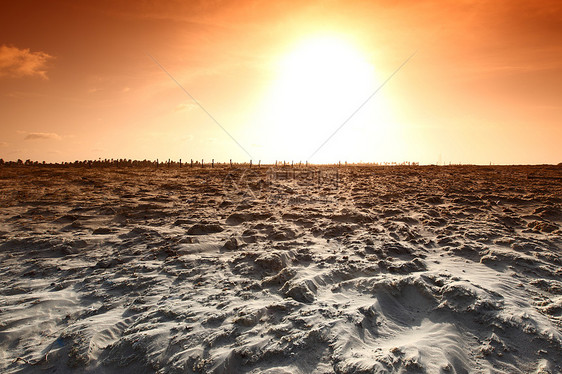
[(484, 85)]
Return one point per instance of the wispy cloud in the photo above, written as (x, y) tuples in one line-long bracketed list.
[(16, 63), (42, 136), (185, 107)]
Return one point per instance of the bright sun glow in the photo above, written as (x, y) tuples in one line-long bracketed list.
[(321, 82)]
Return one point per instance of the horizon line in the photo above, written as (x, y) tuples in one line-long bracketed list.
[(112, 162)]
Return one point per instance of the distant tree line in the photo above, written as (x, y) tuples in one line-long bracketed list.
[(150, 163), (86, 163), (121, 162)]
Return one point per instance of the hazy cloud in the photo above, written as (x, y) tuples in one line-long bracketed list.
[(185, 107), (15, 62), (42, 136)]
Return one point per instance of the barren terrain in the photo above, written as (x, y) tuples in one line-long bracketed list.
[(452, 269)]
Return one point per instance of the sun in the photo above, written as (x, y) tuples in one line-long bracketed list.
[(318, 61), (320, 82)]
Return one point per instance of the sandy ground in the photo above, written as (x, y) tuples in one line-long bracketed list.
[(318, 270)]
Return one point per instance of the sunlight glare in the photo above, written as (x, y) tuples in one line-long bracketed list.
[(321, 82)]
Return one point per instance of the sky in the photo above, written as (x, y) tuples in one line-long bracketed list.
[(321, 81)]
